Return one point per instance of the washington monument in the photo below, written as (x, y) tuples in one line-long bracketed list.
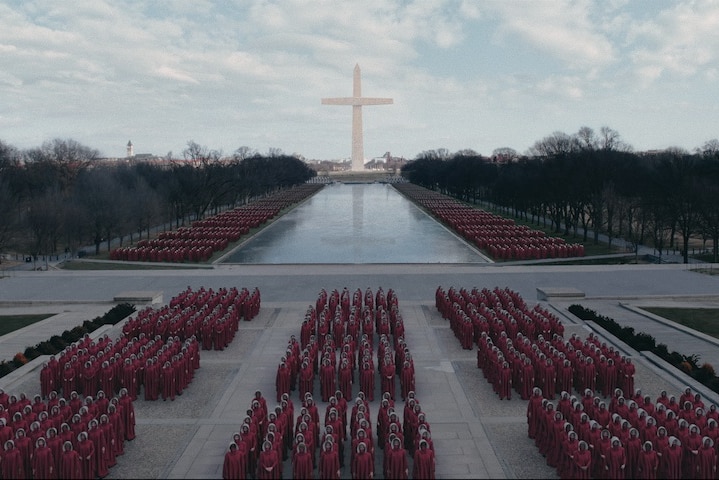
[(357, 100)]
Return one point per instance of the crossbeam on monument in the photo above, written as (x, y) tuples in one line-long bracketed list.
[(357, 101)]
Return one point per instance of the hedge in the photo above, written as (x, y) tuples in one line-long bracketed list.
[(641, 341), (57, 343)]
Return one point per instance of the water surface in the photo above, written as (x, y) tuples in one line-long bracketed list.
[(360, 223)]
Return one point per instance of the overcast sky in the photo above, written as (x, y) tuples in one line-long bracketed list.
[(463, 74)]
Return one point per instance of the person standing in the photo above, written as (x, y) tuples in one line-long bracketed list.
[(269, 465), (397, 461), (12, 463), (43, 463), (70, 466), (233, 467), (302, 462), (423, 467), (329, 463), (648, 463)]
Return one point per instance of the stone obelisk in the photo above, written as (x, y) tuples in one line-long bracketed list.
[(357, 100)]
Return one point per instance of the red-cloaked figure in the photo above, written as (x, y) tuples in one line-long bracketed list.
[(692, 444), (168, 382), (329, 463), (234, 466), (423, 467), (397, 461), (269, 464), (70, 466), (581, 467), (707, 461), (648, 462), (86, 449), (127, 411), (97, 437), (12, 462), (363, 463), (387, 372), (302, 462), (367, 381), (24, 445), (672, 460), (505, 382), (43, 463), (616, 460), (328, 380), (282, 380), (47, 380)]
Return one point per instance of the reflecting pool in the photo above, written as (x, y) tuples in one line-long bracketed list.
[(355, 223)]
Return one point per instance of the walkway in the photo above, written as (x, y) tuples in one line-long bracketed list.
[(475, 434)]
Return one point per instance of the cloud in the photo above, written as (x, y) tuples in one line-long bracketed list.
[(566, 30), (680, 41)]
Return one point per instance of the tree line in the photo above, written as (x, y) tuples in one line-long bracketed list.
[(62, 195), (590, 181)]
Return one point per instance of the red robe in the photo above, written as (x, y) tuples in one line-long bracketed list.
[(647, 464), (282, 381), (168, 380), (423, 464), (302, 465), (672, 461), (86, 449), (328, 384), (70, 466), (707, 462), (43, 463), (388, 384), (363, 465), (396, 463), (616, 459), (128, 415), (367, 383), (13, 465), (329, 465), (100, 456), (235, 465), (581, 465), (269, 465)]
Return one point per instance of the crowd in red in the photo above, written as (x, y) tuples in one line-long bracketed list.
[(631, 437), (73, 429), (500, 237), (338, 339), (158, 348), (74, 437), (198, 242)]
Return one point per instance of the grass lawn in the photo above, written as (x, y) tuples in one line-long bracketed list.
[(705, 320), (90, 265), (10, 323)]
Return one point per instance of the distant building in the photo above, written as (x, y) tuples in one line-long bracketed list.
[(130, 149)]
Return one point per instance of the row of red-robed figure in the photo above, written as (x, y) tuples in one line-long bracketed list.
[(307, 428), (640, 445), (198, 242), (66, 439), (500, 237)]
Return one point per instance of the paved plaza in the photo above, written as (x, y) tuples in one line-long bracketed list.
[(475, 434)]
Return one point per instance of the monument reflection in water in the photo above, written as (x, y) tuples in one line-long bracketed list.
[(358, 223)]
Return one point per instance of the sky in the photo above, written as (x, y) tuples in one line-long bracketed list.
[(476, 75)]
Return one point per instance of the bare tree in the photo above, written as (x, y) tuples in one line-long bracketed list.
[(244, 152), (610, 139), (557, 143), (587, 139)]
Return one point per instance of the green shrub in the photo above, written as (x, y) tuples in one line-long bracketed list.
[(58, 342)]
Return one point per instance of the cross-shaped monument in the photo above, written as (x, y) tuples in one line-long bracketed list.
[(357, 100)]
